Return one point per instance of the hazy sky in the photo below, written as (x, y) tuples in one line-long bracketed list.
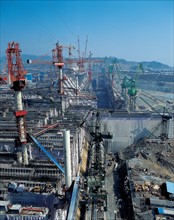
[(133, 30)]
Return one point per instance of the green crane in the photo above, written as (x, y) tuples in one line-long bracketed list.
[(132, 91), (111, 71)]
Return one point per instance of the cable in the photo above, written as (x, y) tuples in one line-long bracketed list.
[(63, 22)]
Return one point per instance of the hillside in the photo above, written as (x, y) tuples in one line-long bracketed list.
[(132, 65), (124, 64)]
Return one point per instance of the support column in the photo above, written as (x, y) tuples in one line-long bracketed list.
[(18, 95), (30, 151), (60, 81), (24, 154), (19, 157), (62, 100), (19, 107), (67, 158), (77, 89)]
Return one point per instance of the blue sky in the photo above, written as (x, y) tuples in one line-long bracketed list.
[(133, 30)]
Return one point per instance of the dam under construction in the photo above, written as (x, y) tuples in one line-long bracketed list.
[(80, 143)]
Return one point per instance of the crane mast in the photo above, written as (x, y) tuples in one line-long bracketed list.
[(132, 91), (16, 74), (57, 58), (58, 61)]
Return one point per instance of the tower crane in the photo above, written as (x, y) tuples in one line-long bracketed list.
[(95, 195), (132, 91), (58, 61), (129, 85), (90, 67), (16, 74), (81, 59), (125, 81), (111, 71), (91, 61), (165, 118), (57, 57), (70, 48), (86, 44)]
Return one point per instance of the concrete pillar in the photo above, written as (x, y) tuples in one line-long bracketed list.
[(62, 100), (24, 154), (45, 121), (30, 152), (19, 107), (77, 83), (18, 95), (61, 81), (52, 112), (55, 112), (19, 157), (47, 115), (4, 114), (67, 158)]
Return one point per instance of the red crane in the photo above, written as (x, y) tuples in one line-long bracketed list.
[(58, 61), (90, 72), (16, 74)]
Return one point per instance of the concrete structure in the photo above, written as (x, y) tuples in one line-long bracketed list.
[(41, 183), (67, 158), (127, 128)]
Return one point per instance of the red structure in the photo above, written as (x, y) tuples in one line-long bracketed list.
[(17, 73), (15, 67), (58, 61)]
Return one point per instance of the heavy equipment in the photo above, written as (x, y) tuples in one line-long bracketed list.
[(95, 196)]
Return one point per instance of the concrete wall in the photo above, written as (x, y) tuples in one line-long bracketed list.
[(127, 130)]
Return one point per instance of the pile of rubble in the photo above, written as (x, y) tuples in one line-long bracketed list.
[(155, 151), (147, 186), (145, 169)]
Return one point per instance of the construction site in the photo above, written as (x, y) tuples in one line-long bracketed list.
[(84, 139)]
